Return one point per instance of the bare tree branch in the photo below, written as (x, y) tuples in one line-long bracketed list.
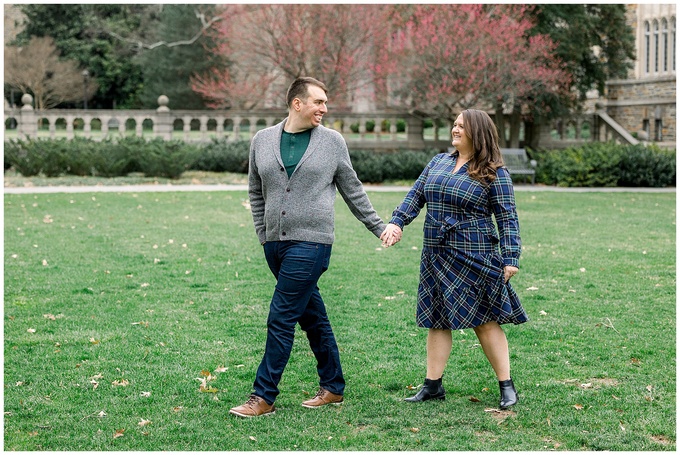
[(206, 24)]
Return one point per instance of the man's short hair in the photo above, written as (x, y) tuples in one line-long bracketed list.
[(298, 89)]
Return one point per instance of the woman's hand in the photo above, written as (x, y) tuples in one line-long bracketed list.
[(391, 235), (509, 271)]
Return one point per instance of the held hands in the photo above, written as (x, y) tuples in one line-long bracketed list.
[(509, 271), (391, 235)]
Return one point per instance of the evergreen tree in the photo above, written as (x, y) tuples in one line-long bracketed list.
[(167, 70), (594, 41), (80, 33)]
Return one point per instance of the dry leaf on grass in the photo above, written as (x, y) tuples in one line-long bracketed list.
[(578, 407), (119, 433), (120, 383), (144, 422)]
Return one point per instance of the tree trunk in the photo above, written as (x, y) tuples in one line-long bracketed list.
[(532, 133), (515, 123), (499, 120)]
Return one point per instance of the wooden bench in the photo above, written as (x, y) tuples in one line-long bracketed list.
[(518, 163)]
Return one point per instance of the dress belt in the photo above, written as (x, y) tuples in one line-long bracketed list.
[(452, 224)]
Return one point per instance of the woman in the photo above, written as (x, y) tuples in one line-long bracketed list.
[(463, 272)]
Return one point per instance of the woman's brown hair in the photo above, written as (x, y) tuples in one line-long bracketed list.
[(486, 157)]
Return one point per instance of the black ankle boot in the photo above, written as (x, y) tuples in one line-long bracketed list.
[(508, 393), (432, 390)]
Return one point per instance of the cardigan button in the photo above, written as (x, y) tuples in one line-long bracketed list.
[(283, 233), (287, 190), (283, 213)]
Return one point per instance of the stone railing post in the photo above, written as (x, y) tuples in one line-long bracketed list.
[(414, 132), (28, 123), (163, 123)]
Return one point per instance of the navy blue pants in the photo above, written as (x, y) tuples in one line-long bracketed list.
[(297, 267)]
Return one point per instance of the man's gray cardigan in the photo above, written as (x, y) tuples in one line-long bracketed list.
[(302, 207)]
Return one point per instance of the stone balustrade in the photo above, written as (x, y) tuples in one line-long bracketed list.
[(377, 130), (381, 130)]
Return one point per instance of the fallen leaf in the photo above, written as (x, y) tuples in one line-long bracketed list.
[(474, 399), (144, 422), (44, 262), (177, 408), (50, 317), (492, 410), (94, 383), (587, 386), (532, 288), (415, 430), (145, 394), (121, 383), (101, 414), (582, 269), (578, 406), (649, 388), (93, 341), (221, 369), (205, 373), (31, 330), (119, 433), (621, 426), (207, 389), (252, 438), (542, 313)]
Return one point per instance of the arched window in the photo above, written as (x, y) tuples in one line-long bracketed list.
[(673, 44), (647, 47), (664, 45), (656, 46)]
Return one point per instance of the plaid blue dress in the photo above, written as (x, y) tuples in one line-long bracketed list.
[(461, 270)]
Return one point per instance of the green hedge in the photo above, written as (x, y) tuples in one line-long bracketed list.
[(590, 165), (376, 167), (607, 164), (108, 158)]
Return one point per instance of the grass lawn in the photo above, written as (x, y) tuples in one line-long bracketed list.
[(135, 321)]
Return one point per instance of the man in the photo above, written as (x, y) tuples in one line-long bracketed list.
[(295, 168)]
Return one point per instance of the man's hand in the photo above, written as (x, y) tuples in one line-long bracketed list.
[(391, 235)]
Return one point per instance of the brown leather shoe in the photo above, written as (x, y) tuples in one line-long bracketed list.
[(254, 407), (322, 398)]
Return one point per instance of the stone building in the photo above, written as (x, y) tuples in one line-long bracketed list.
[(644, 104)]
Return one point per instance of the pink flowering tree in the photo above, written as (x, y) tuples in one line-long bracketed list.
[(445, 58), (270, 45)]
